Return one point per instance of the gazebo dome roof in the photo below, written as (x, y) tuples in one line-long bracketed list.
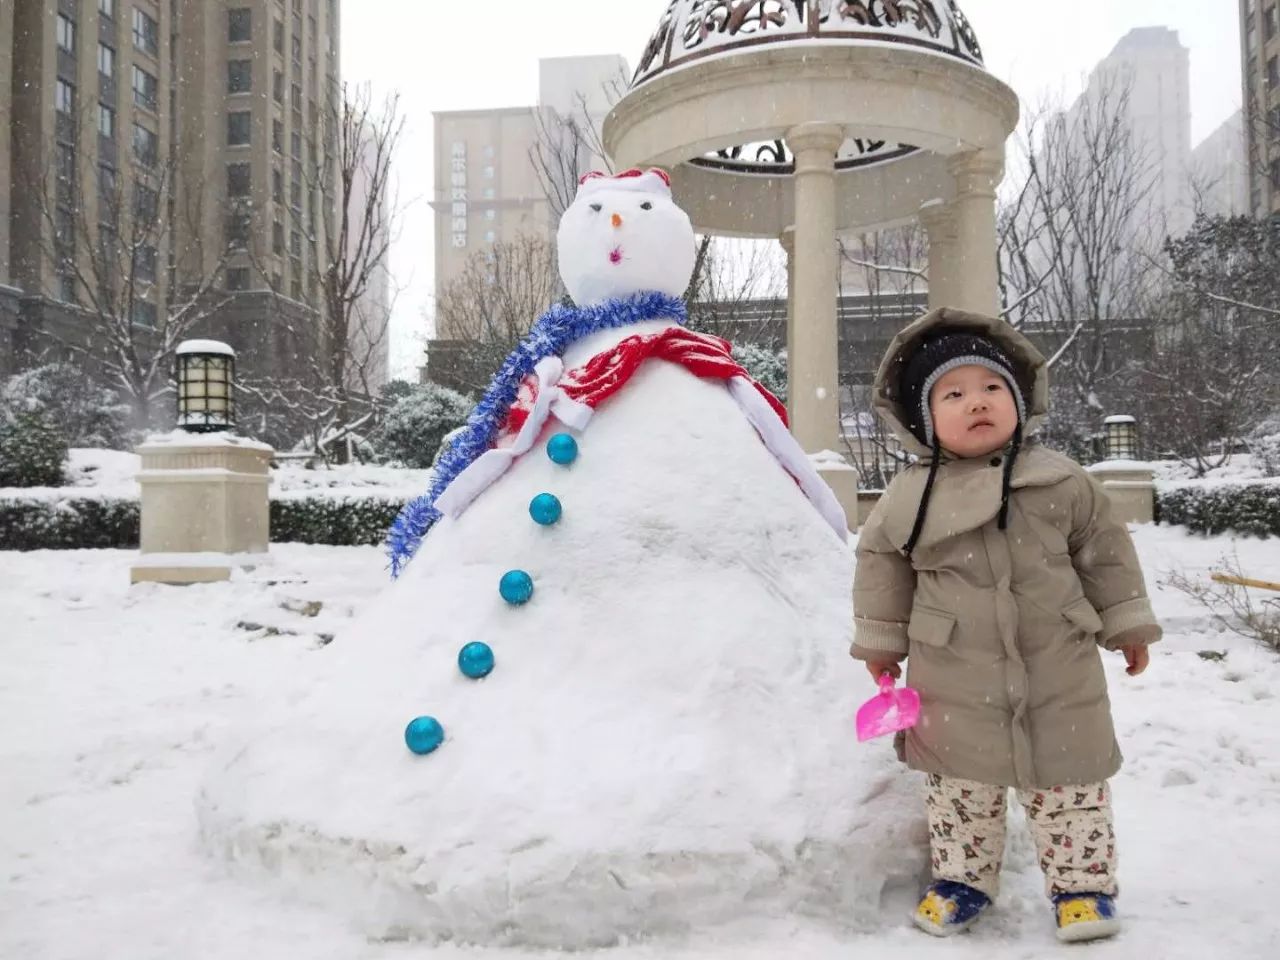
[(693, 31)]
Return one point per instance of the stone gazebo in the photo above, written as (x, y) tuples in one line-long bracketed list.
[(801, 119)]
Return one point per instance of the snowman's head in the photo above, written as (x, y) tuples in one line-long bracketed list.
[(624, 235)]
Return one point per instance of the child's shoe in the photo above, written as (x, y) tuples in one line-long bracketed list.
[(948, 907), (1085, 916)]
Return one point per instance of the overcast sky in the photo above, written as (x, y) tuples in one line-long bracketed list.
[(484, 53)]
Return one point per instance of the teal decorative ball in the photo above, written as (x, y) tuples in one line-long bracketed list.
[(423, 734), (475, 660), (516, 587), (545, 509), (562, 449)]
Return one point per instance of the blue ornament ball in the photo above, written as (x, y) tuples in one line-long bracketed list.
[(562, 449), (423, 734), (545, 509), (516, 587), (475, 660)]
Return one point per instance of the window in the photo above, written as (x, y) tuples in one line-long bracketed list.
[(64, 96), (145, 91), (106, 60), (239, 25), (488, 193), (238, 127), (146, 204), (239, 76), (490, 236), (277, 136), (67, 288), (146, 145), (1273, 72), (107, 8), (277, 86), (297, 96), (277, 238), (277, 36), (106, 121), (144, 264), (65, 31), (239, 179), (238, 227), (64, 163), (106, 181), (295, 145), (295, 243), (297, 49), (1269, 22), (1275, 174), (146, 32), (491, 214), (295, 188), (237, 278), (277, 185), (144, 314), (1274, 131), (64, 232), (488, 173), (295, 282)]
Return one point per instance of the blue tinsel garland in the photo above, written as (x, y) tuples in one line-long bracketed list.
[(554, 331)]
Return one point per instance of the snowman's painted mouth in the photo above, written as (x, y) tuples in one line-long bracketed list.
[(615, 255)]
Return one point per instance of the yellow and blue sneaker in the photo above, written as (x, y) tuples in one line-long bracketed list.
[(948, 907), (1085, 916)]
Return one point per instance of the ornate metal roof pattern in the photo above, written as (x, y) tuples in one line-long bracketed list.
[(691, 30)]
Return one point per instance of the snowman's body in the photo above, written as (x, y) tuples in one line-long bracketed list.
[(667, 735)]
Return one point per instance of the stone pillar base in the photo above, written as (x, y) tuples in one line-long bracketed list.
[(842, 478), (204, 507), (1131, 486)]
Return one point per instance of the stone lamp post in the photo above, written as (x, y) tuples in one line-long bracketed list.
[(204, 489), (801, 120), (1129, 482)]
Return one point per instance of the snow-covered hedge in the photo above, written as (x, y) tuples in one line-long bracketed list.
[(1248, 508), (78, 523), (336, 521), (75, 523), (33, 449)]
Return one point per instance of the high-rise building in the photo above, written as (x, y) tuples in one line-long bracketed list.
[(1220, 173), (201, 117), (1260, 59), (370, 316), (1152, 68), (487, 188)]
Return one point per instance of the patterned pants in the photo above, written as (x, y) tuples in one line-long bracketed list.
[(1071, 826)]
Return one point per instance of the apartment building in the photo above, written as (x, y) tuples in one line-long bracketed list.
[(1260, 62)]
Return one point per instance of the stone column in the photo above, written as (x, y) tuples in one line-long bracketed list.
[(813, 358), (976, 174), (204, 507), (939, 221), (1131, 486), (787, 239)]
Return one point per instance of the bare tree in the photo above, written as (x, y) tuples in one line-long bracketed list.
[(492, 303), (1077, 240), (105, 242), (738, 292), (346, 219)]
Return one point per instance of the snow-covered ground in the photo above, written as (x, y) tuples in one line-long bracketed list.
[(112, 699)]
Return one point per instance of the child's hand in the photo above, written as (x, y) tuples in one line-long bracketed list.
[(1137, 656), (877, 667)]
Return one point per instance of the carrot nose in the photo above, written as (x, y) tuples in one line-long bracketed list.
[(617, 219)]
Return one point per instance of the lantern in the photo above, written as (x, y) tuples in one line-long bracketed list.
[(1121, 437), (206, 386)]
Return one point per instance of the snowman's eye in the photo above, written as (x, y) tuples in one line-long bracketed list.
[(646, 205), (595, 207)]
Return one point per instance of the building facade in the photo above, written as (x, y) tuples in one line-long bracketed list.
[(1260, 63), (189, 133), (1221, 171), (487, 187)]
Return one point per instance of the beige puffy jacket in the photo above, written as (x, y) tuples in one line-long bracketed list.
[(1001, 628)]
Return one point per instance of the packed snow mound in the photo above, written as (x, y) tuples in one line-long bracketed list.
[(667, 738)]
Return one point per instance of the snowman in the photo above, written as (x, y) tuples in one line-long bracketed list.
[(607, 694)]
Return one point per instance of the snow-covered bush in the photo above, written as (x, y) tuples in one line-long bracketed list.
[(416, 424), (72, 524), (1264, 444), (767, 366), (339, 522), (32, 449), (1248, 508), (87, 414)]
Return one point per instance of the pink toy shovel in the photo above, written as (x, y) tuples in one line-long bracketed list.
[(888, 711)]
